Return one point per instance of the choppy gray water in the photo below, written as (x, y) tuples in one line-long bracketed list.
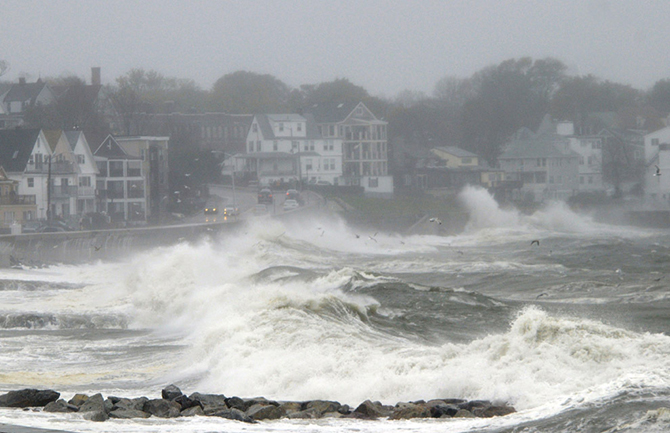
[(572, 332)]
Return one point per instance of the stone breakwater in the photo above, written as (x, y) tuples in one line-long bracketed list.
[(173, 403)]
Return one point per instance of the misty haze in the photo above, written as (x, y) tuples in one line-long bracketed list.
[(332, 216)]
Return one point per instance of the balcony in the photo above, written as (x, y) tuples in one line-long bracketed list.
[(63, 191), (278, 173), (10, 200), (86, 192)]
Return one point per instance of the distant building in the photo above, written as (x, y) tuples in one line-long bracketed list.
[(87, 172), (657, 168), (21, 96), (286, 148), (542, 163), (153, 151), (455, 157), (25, 156), (121, 183), (14, 208), (217, 132), (63, 171), (365, 144)]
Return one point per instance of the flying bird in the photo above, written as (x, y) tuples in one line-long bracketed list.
[(357, 236), (658, 170), (535, 241), (97, 248), (435, 220), (373, 238)]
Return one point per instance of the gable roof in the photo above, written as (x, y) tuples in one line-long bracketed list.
[(331, 112), (21, 92), (457, 151), (111, 149), (16, 146), (311, 130)]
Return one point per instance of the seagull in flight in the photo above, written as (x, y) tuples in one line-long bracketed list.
[(435, 220), (535, 241), (658, 170)]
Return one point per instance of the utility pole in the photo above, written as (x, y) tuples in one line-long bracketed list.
[(49, 191)]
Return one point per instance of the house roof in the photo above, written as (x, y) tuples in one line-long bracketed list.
[(110, 149), (543, 144), (22, 92), (52, 136), (331, 112), (311, 130), (456, 151), (16, 146)]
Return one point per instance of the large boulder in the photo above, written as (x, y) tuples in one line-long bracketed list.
[(193, 411), (209, 402), (94, 403), (410, 410), (323, 406), (234, 414), (162, 408), (171, 392), (131, 404), (78, 399), (28, 398), (124, 413), (370, 410), (269, 411), (60, 405)]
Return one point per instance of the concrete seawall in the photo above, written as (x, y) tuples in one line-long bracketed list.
[(83, 246)]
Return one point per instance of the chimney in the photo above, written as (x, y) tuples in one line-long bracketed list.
[(22, 81), (95, 76)]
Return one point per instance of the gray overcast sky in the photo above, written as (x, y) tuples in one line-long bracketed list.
[(386, 46)]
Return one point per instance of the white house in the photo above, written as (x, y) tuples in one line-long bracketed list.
[(365, 144), (657, 163), (284, 148), (87, 173)]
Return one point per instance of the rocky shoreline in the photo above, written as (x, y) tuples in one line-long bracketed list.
[(173, 403)]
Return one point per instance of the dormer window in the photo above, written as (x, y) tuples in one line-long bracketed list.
[(281, 127), (299, 126)]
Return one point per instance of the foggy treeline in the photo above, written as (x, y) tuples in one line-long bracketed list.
[(478, 113)]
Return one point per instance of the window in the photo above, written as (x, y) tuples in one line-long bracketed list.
[(275, 146), (294, 146), (281, 127), (299, 126), (85, 181), (332, 130), (306, 147), (254, 127), (81, 159), (258, 146), (251, 146), (373, 182), (308, 164), (31, 182)]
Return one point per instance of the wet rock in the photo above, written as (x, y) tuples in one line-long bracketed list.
[(236, 403), (304, 414), (472, 404), (268, 411), (124, 413), (97, 415), (234, 414), (94, 403), (28, 398), (162, 408), (193, 411), (370, 410), (463, 413), (439, 409), (491, 411), (60, 405), (209, 402), (291, 406), (410, 410), (171, 392), (131, 404), (323, 406), (78, 399)]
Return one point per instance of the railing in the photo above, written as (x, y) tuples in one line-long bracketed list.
[(86, 191), (278, 173), (60, 167), (60, 191), (6, 200)]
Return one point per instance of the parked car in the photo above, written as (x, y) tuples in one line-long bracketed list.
[(30, 226), (291, 204), (231, 211), (265, 196)]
